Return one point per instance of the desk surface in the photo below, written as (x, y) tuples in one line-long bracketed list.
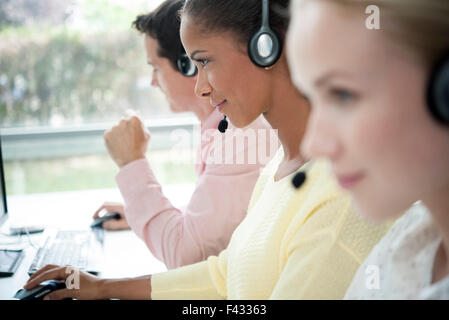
[(125, 254)]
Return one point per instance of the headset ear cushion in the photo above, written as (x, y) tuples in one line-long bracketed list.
[(438, 91), (272, 55), (185, 66)]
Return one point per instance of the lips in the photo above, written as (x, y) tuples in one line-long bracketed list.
[(349, 181), (219, 105)]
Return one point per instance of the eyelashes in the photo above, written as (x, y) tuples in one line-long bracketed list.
[(342, 96), (333, 96), (203, 62)]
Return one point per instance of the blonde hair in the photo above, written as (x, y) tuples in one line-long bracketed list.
[(420, 25)]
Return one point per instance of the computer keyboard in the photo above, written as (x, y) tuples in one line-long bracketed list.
[(78, 248)]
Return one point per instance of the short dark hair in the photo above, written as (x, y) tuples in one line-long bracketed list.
[(241, 17), (163, 24)]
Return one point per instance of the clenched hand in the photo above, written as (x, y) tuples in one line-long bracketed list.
[(127, 141)]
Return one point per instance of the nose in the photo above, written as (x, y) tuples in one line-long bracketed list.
[(202, 86), (321, 138)]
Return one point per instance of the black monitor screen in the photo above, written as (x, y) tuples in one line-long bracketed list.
[(3, 208)]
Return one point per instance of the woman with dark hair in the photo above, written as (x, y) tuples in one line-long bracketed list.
[(293, 244)]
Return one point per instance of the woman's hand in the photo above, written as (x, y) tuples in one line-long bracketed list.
[(79, 285), (84, 286), (120, 224), (127, 141)]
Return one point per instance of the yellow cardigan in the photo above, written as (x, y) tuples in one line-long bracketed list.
[(293, 244)]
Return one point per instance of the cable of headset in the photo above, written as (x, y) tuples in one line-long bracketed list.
[(20, 239)]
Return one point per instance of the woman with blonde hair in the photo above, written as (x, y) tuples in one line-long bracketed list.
[(380, 113)]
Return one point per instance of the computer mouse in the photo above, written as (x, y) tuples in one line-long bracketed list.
[(98, 223), (39, 292)]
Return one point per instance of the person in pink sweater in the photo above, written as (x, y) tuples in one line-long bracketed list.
[(225, 182)]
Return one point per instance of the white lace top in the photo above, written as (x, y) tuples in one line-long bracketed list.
[(400, 265)]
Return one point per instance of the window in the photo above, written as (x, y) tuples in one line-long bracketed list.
[(68, 71)]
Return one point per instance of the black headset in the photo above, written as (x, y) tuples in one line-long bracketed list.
[(438, 91), (265, 46), (186, 66)]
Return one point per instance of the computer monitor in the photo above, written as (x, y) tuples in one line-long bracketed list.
[(3, 206)]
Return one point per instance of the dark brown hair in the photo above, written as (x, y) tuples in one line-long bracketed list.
[(163, 24), (241, 17)]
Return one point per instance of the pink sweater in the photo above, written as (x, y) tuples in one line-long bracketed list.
[(218, 204)]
